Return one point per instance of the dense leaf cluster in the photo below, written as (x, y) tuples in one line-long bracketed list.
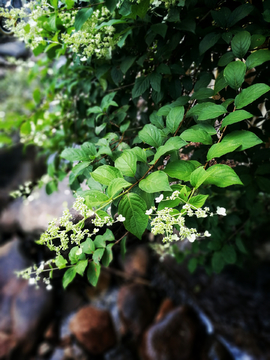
[(181, 103)]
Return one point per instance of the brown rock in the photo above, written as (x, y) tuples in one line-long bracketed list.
[(165, 307), (171, 338), (94, 330), (137, 261), (24, 310), (136, 309)]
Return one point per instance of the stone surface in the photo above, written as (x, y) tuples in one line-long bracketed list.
[(38, 209), (171, 338), (165, 307), (136, 309), (15, 49), (137, 261), (24, 310), (93, 328)]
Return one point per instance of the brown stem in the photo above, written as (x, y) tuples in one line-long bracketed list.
[(121, 87)]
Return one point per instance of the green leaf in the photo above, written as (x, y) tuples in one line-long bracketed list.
[(140, 153), (235, 117), (226, 59), (141, 8), (257, 58), (79, 168), (241, 43), (220, 83), (174, 143), (98, 255), (192, 265), (198, 108), (69, 275), (122, 41), (155, 182), (107, 101), (198, 177), (95, 198), (256, 40), (222, 176), (151, 135), (252, 93), (239, 13), (73, 257), (127, 63), (221, 149), (240, 245), (105, 174), (246, 139), (156, 120), (88, 246), (127, 164), (93, 272), (100, 241), (160, 29), (60, 262), (155, 81), (203, 93), (234, 74), (37, 95), (180, 169), (174, 118), (197, 135), (221, 16), (109, 236), (198, 200), (81, 266), (133, 208), (86, 152), (229, 254), (111, 4), (217, 262), (81, 17), (117, 185), (108, 255), (141, 85), (211, 112), (206, 127), (208, 41)]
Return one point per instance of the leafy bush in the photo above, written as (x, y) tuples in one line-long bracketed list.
[(160, 110)]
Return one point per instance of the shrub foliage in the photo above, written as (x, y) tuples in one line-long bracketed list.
[(160, 109)]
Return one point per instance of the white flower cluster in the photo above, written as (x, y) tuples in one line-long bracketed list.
[(32, 274), (167, 219), (29, 24), (165, 222), (24, 190), (89, 41)]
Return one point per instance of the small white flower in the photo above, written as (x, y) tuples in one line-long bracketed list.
[(207, 234), (174, 237), (49, 287), (120, 218), (84, 58), (149, 212), (221, 211), (191, 237), (159, 199), (79, 251), (32, 281)]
